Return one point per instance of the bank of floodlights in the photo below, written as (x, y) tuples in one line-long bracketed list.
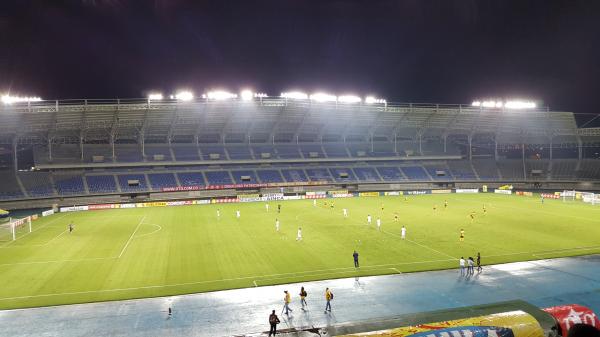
[(184, 96), (8, 99), (246, 95), (219, 95), (349, 99), (294, 95), (323, 97), (515, 105), (155, 97), (374, 100)]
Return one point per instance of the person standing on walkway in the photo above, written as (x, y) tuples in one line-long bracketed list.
[(328, 298), (286, 303), (479, 269), (470, 263), (303, 295), (355, 256), (461, 263), (273, 321)]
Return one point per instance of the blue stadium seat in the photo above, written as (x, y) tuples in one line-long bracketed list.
[(191, 179), (69, 185), (367, 174), (101, 184), (123, 182), (237, 175), (218, 177), (159, 181), (269, 176)]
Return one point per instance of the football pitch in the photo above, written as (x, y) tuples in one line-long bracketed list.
[(145, 252)]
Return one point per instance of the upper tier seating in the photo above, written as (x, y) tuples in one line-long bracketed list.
[(366, 174), (37, 184), (294, 175), (68, 184), (415, 173), (269, 176), (101, 183), (218, 177), (239, 174), (390, 173), (124, 182), (9, 188), (159, 181), (191, 179)]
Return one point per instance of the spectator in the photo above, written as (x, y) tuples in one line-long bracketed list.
[(273, 321)]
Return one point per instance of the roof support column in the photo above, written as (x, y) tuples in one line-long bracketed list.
[(523, 157), (81, 136), (470, 137), (50, 140), (420, 135), (15, 142), (496, 147), (445, 136), (551, 149), (579, 148), (112, 144)]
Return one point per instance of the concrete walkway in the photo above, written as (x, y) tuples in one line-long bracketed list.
[(236, 312)]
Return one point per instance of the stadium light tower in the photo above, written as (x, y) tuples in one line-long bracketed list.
[(184, 96), (294, 95), (8, 99), (155, 97), (323, 97), (247, 95), (349, 99), (219, 95), (374, 100), (520, 105)]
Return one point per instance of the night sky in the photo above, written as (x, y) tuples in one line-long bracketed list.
[(406, 51)]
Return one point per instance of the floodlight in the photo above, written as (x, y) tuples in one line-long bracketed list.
[(247, 95), (184, 96), (294, 95), (8, 99), (323, 97), (219, 95), (349, 99), (499, 104), (373, 100), (260, 95), (155, 97), (488, 104), (520, 105), (476, 103)]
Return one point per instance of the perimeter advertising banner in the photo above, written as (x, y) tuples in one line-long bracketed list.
[(467, 190), (498, 191), (570, 314), (232, 186), (441, 191), (508, 324), (524, 193), (550, 196), (368, 194)]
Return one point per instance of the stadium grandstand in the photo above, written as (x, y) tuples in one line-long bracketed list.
[(54, 151)]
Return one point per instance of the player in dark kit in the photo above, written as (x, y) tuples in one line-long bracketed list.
[(278, 208), (71, 227), (355, 256)]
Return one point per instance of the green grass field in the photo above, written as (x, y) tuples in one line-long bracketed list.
[(134, 253)]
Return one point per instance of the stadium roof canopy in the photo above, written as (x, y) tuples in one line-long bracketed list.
[(266, 120)]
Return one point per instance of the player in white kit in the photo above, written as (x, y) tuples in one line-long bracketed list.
[(299, 236), (315, 202), (237, 214), (267, 207), (218, 214), (403, 234), (378, 224), (369, 219), (277, 225), (345, 211)]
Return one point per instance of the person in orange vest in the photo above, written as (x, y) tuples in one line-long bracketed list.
[(328, 298)]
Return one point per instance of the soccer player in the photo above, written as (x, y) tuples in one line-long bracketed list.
[(403, 233), (382, 208), (395, 217), (378, 224), (331, 206), (484, 210), (462, 235), (542, 198), (325, 203), (277, 225), (472, 215), (237, 214), (434, 208), (278, 208), (445, 204), (345, 211), (355, 256), (218, 214), (299, 235), (71, 227), (314, 202), (267, 207), (369, 219)]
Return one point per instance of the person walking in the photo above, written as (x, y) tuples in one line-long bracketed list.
[(479, 269), (303, 295), (461, 263), (286, 303), (355, 256), (328, 298), (273, 321)]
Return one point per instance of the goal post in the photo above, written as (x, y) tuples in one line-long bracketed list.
[(11, 230)]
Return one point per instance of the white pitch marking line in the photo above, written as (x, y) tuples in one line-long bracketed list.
[(56, 237), (256, 285), (49, 222), (131, 237), (159, 228), (396, 270), (57, 261)]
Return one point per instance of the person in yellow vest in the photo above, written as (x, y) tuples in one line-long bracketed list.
[(286, 303), (328, 298)]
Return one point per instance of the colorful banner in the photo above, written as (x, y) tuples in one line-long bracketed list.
[(524, 193), (394, 193), (497, 191), (316, 195), (201, 202), (272, 196), (368, 194), (505, 187), (102, 206), (224, 200), (73, 209), (419, 192), (48, 212), (441, 191), (248, 197), (550, 196), (507, 324), (570, 314)]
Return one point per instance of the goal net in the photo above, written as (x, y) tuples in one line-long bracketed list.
[(587, 197), (15, 228)]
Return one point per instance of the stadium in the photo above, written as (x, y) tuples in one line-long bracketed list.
[(168, 198)]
